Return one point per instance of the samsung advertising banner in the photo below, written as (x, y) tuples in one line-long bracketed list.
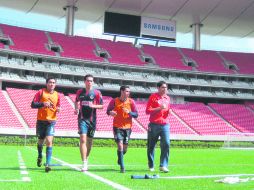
[(157, 28)]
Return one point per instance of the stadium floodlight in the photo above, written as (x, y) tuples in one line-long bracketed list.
[(239, 141)]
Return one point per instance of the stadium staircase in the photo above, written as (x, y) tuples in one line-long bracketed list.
[(11, 121), (244, 61), (27, 40), (121, 52), (208, 61), (166, 57)]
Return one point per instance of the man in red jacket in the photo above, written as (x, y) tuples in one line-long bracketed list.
[(158, 107)]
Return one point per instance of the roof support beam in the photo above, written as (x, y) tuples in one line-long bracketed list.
[(196, 35), (70, 17)]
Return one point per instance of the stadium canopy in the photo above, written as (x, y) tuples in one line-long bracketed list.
[(219, 17)]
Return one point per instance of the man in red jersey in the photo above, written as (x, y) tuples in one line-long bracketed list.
[(123, 109), (158, 107), (88, 100), (47, 101)]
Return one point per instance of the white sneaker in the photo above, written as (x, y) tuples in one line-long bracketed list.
[(151, 169), (84, 166), (164, 169)]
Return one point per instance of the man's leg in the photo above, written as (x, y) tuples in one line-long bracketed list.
[(41, 134), (120, 155), (83, 151), (50, 132), (151, 142), (89, 144), (125, 148), (118, 136), (126, 140), (164, 143), (49, 144), (39, 149)]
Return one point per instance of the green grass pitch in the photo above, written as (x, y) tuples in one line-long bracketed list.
[(16, 168)]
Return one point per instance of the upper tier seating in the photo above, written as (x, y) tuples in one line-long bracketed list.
[(166, 57), (244, 61), (201, 119), (36, 41), (237, 115), (208, 61), (28, 40), (121, 52), (76, 47), (8, 119), (1, 46)]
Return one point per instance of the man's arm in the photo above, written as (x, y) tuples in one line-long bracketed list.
[(58, 105), (98, 102), (36, 101), (76, 106), (110, 108), (100, 106), (76, 111), (133, 113), (150, 109)]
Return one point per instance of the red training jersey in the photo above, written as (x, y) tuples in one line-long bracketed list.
[(161, 116)]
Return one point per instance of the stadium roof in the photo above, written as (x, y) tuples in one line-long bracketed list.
[(220, 17)]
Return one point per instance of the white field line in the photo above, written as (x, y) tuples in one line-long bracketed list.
[(23, 172), (22, 167), (191, 165), (11, 180), (171, 165), (77, 167), (90, 165), (99, 178), (205, 176)]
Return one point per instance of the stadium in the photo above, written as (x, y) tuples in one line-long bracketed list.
[(211, 91)]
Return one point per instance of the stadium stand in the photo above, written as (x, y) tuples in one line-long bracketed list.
[(76, 47), (104, 122), (201, 119), (237, 115), (251, 106), (166, 57), (22, 99), (1, 45), (27, 40), (23, 106), (121, 52), (207, 61), (190, 118), (244, 61), (8, 119), (176, 127)]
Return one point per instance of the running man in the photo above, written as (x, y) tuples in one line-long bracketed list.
[(47, 101), (123, 109), (86, 103), (158, 106)]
